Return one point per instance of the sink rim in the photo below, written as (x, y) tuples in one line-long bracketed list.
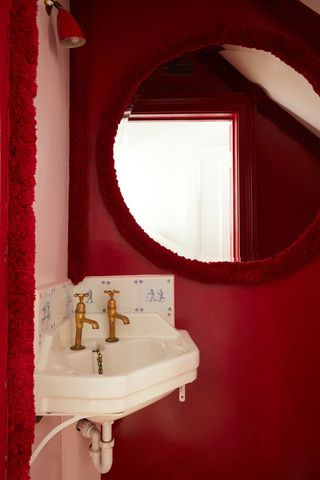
[(67, 392), (180, 343)]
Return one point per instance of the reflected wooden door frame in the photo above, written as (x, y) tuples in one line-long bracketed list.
[(243, 110)]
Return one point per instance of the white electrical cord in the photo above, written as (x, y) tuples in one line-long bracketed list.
[(51, 434)]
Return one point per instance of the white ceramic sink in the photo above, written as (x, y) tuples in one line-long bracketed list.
[(150, 360)]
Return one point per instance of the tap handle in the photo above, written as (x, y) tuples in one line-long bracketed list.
[(81, 296), (111, 293)]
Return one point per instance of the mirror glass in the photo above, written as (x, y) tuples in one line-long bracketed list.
[(217, 158)]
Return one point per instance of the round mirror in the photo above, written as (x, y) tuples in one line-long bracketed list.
[(217, 165), (206, 170)]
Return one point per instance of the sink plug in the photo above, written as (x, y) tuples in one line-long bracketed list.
[(99, 361)]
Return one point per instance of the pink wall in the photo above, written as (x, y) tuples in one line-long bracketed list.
[(66, 456), (52, 176), (51, 196), (253, 411)]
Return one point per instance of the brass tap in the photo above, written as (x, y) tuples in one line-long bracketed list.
[(112, 315), (80, 319)]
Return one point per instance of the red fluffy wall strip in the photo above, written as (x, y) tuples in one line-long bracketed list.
[(23, 52), (78, 186)]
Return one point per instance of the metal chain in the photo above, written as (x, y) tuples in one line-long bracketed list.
[(99, 360)]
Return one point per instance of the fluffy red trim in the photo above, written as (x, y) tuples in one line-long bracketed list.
[(23, 52)]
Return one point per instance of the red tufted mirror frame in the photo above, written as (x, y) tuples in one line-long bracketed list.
[(302, 250)]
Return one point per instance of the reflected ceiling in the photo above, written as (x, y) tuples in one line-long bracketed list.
[(279, 81)]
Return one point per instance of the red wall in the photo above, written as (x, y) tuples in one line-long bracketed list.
[(253, 411), (4, 9)]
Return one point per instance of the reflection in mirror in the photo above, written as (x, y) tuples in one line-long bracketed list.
[(185, 170), (207, 161)]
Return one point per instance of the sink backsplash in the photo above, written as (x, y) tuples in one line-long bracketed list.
[(52, 305), (138, 294)]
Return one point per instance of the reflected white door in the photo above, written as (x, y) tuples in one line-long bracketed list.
[(176, 177)]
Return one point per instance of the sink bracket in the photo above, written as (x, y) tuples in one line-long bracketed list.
[(182, 393)]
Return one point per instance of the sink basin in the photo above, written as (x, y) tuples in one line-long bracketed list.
[(150, 360)]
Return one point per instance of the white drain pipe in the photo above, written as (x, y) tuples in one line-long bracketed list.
[(102, 444)]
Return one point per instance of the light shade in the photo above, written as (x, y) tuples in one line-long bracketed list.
[(69, 32)]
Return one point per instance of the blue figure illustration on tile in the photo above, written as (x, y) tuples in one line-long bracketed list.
[(160, 296), (89, 298), (46, 312), (153, 296), (150, 297)]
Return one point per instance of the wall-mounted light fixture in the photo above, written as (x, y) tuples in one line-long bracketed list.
[(69, 32)]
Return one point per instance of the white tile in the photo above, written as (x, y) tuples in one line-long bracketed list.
[(128, 297), (69, 299), (45, 311), (50, 309), (157, 295), (95, 302), (137, 293), (36, 326)]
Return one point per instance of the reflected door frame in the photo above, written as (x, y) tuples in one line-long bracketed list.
[(242, 110)]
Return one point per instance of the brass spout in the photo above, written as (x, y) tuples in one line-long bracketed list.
[(80, 319), (93, 323), (113, 315), (125, 319)]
